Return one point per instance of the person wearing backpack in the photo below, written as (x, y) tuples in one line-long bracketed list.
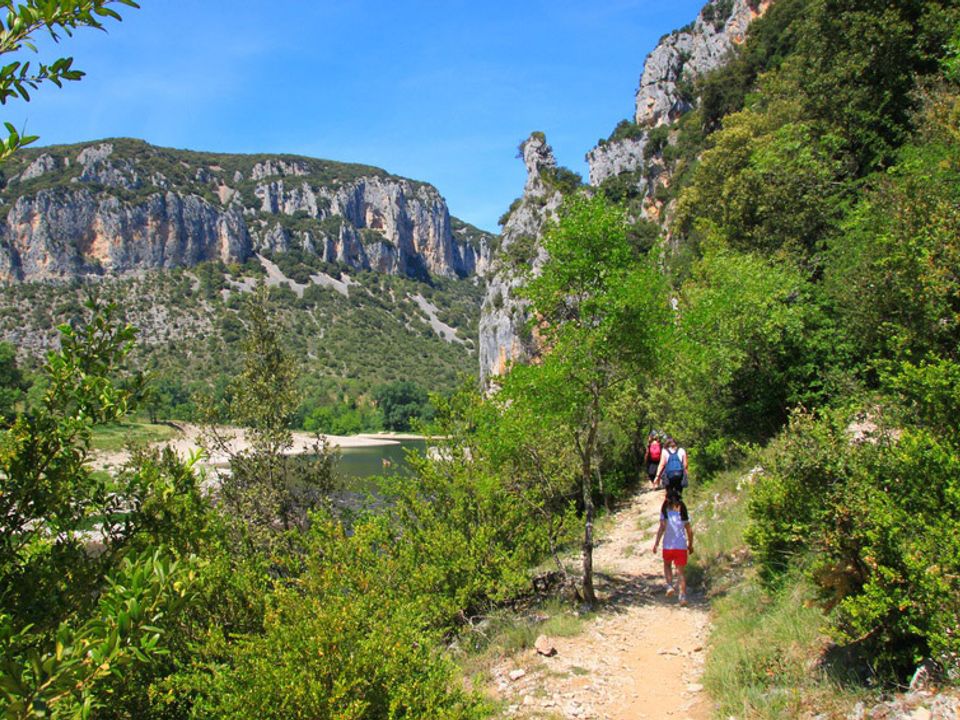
[(652, 457), (677, 537), (672, 471)]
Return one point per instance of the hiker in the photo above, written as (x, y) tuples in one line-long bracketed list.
[(652, 457), (677, 537), (672, 471)]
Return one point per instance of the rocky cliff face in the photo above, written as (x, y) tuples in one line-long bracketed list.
[(122, 206), (663, 96), (503, 337), (687, 54), (668, 73)]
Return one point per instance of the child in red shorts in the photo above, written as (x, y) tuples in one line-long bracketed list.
[(677, 541)]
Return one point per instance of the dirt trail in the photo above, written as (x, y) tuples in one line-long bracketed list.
[(641, 657)]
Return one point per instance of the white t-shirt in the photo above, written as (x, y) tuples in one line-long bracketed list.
[(665, 457), (675, 533)]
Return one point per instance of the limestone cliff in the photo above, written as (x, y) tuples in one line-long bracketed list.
[(122, 206), (664, 92), (503, 338)]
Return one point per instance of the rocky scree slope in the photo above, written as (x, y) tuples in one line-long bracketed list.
[(121, 206)]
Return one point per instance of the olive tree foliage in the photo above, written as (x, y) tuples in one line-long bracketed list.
[(88, 572), (268, 488), (20, 23), (598, 310)]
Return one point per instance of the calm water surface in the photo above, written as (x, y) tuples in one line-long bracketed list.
[(379, 460)]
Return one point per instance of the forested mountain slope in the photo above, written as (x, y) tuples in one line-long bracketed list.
[(372, 279)]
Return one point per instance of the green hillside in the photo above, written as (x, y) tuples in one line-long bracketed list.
[(349, 337)]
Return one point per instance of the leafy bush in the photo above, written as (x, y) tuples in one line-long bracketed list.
[(717, 13), (12, 382), (401, 403), (736, 356), (872, 525), (625, 130), (891, 273), (73, 620), (656, 141), (344, 640), (561, 179), (521, 252), (343, 419), (763, 187), (804, 466)]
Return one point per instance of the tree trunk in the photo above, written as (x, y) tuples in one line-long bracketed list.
[(585, 450), (603, 493), (589, 596)]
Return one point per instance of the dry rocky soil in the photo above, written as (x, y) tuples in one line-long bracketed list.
[(641, 657)]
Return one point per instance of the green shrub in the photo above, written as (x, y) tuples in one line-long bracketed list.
[(717, 13), (343, 641), (402, 403), (874, 525), (521, 252), (562, 179), (625, 130), (804, 464), (657, 140), (891, 554), (343, 419)]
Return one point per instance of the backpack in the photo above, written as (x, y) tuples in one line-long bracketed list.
[(674, 469), (654, 450)]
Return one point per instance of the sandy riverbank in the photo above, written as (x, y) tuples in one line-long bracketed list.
[(189, 441)]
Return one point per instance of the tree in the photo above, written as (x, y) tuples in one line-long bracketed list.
[(72, 618), (857, 65), (23, 21), (749, 344), (12, 384), (598, 310), (267, 488), (767, 184), (893, 273), (401, 402), (48, 489)]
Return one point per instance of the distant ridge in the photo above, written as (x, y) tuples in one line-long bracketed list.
[(121, 205)]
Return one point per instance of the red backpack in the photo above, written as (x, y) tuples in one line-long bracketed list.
[(654, 450)]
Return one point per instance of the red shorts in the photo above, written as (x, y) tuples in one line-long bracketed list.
[(677, 557)]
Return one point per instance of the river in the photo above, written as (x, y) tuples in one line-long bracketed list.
[(364, 462)]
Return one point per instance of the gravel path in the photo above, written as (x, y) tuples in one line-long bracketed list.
[(643, 655)]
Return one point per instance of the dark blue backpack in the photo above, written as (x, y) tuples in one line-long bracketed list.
[(674, 469)]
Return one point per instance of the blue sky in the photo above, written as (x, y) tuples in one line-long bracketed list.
[(439, 91)]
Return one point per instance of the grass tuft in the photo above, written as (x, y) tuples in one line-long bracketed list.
[(766, 647), (505, 633), (111, 438)]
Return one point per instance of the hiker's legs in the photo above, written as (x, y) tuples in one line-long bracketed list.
[(668, 571), (683, 580)]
